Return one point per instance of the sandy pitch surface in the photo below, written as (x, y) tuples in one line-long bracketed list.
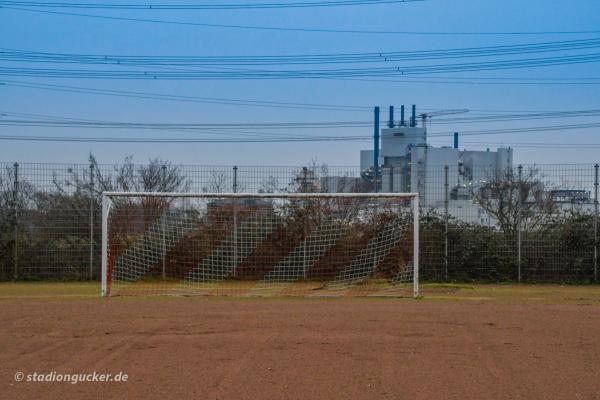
[(216, 348)]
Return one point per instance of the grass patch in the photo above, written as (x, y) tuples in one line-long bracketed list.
[(49, 289), (502, 293)]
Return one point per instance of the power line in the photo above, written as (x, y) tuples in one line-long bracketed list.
[(476, 81), (44, 120), (251, 136), (306, 30), (534, 145), (221, 131), (203, 6), (179, 140), (518, 117), (247, 102), (187, 99), (49, 121), (534, 129), (244, 130), (300, 74), (16, 55), (494, 80), (186, 126)]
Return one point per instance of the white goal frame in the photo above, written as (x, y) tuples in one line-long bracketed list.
[(108, 195)]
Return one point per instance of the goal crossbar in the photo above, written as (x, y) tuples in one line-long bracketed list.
[(262, 195)]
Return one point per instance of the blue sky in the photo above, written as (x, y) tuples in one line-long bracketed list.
[(69, 34)]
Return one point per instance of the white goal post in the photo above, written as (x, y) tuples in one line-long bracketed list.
[(270, 244)]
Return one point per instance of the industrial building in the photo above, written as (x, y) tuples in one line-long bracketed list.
[(407, 163), (445, 177)]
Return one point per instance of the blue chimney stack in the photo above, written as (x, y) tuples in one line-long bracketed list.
[(402, 122)]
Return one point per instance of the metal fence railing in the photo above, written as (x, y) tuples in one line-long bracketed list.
[(530, 223)]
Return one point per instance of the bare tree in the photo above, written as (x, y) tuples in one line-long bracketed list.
[(13, 203), (75, 194), (156, 176), (218, 183), (306, 180), (516, 198), (272, 185), (6, 188)]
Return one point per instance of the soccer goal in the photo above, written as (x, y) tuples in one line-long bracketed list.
[(303, 244)]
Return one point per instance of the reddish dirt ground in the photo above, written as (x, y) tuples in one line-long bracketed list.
[(302, 349)]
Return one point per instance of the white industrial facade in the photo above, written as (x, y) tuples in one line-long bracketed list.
[(416, 166), (409, 164)]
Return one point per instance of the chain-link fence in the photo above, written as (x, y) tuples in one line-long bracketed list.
[(529, 223)]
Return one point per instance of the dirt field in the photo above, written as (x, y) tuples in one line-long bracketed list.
[(488, 342)]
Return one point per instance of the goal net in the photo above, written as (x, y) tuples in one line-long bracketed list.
[(260, 244)]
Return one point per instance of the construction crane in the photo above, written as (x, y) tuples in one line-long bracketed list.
[(427, 116)]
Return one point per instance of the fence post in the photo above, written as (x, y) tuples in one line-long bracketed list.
[(163, 228), (305, 243), (235, 176), (104, 278), (235, 223), (519, 200), (596, 223), (376, 134), (446, 201), (92, 209), (416, 264), (16, 222)]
